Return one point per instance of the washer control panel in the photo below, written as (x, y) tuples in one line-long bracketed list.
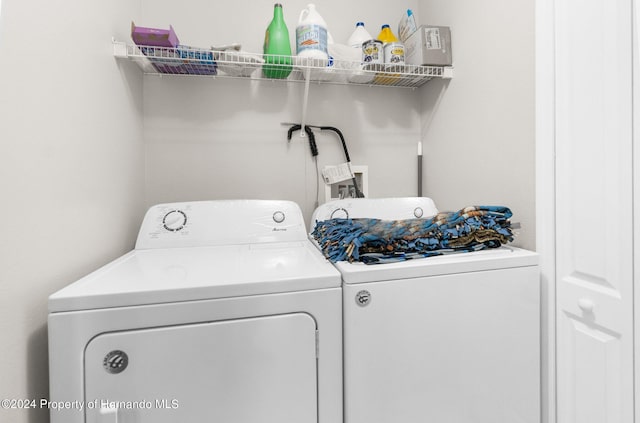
[(223, 222), (376, 208)]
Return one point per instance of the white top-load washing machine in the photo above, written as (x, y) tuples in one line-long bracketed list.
[(224, 312), (447, 339)]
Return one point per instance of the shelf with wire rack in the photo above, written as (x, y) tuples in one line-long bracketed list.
[(187, 61)]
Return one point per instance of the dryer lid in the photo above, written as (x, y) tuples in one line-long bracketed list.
[(154, 276)]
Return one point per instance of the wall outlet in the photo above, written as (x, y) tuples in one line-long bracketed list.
[(345, 189)]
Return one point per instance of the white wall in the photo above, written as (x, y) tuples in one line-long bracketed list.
[(208, 139), (479, 129), (203, 23), (223, 139), (71, 169)]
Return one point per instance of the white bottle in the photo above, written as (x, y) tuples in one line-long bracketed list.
[(311, 34), (359, 36)]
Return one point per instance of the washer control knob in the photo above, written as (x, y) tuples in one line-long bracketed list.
[(278, 217), (174, 221), (418, 212), (340, 213)]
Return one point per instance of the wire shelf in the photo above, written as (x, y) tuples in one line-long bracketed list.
[(188, 61)]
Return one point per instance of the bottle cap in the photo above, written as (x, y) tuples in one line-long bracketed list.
[(385, 26), (360, 24)]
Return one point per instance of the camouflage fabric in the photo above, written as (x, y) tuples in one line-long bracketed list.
[(374, 241)]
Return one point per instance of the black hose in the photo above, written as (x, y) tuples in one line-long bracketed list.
[(314, 148), (312, 139), (359, 193), (344, 144)]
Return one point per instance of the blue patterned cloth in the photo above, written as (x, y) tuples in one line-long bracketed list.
[(374, 241)]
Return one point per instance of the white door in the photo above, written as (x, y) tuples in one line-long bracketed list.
[(259, 370), (594, 211)]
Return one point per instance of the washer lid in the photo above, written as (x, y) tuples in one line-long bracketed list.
[(187, 274), (491, 259)]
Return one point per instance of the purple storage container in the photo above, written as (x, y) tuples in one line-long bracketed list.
[(153, 36)]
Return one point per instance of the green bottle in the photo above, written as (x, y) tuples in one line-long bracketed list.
[(276, 42)]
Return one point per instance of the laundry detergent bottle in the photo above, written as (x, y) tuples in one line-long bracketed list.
[(359, 36), (277, 47), (386, 35), (311, 35)]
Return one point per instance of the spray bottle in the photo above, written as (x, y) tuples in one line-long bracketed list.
[(277, 48)]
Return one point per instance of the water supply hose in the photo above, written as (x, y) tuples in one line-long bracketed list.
[(359, 193), (314, 148)]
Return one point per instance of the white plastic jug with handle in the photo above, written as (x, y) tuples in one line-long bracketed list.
[(359, 36), (311, 34)]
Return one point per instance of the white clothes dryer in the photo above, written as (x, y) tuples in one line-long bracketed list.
[(223, 312), (452, 338)]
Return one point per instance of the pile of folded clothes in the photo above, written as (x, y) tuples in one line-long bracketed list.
[(374, 241)]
